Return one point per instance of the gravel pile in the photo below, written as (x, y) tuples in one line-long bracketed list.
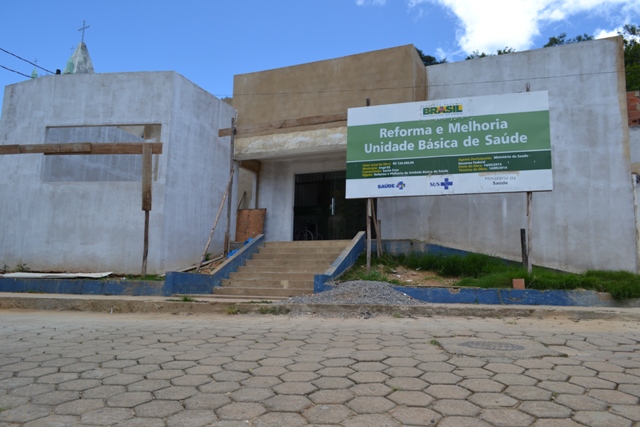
[(357, 292)]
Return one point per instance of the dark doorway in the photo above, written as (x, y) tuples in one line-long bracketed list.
[(320, 210)]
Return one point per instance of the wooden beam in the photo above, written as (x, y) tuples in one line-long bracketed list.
[(82, 148), (72, 148), (9, 149), (224, 132), (125, 147), (146, 177), (285, 124)]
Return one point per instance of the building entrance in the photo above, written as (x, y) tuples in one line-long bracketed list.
[(321, 211)]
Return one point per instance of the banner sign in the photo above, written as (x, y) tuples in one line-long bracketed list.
[(485, 144)]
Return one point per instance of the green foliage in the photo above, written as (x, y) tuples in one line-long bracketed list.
[(477, 54), (472, 265), (562, 39), (147, 278), (430, 60), (620, 284), (232, 309), (631, 35), (483, 271), (22, 268), (186, 298)]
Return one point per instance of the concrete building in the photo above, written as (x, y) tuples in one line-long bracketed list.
[(73, 213), (83, 212), (292, 134)]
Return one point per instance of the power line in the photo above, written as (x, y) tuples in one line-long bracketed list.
[(25, 60), (14, 71)]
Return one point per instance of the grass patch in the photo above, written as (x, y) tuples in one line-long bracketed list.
[(483, 271), (147, 278), (232, 309)]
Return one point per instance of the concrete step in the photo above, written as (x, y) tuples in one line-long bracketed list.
[(310, 244), (296, 250), (284, 284), (305, 266), (265, 292), (281, 269), (257, 274), (269, 267), (294, 256)]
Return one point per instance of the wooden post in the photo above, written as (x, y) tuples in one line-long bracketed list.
[(369, 213), (523, 247), (529, 231), (369, 235), (376, 227), (145, 251), (146, 200), (215, 222), (529, 219), (227, 234)]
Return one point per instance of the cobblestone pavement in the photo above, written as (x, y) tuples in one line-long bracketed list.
[(65, 369)]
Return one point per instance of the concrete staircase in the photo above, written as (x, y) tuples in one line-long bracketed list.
[(282, 269)]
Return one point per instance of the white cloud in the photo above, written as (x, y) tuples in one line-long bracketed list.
[(489, 25), (603, 34)]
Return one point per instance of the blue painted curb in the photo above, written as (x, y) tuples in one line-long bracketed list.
[(83, 286), (175, 283), (345, 260), (573, 298), (193, 283)]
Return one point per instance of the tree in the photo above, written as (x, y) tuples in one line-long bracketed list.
[(631, 35), (476, 54), (430, 60), (562, 39), (631, 39)]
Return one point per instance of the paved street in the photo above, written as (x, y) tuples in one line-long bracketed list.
[(65, 369)]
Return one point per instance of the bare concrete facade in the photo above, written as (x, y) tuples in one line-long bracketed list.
[(69, 214), (587, 222), (293, 120)]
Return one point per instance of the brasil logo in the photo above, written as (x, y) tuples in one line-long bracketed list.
[(442, 109)]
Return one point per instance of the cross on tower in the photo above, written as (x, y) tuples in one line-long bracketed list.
[(84, 27)]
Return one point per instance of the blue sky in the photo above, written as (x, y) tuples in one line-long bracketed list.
[(210, 41)]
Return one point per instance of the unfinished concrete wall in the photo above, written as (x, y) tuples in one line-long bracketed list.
[(198, 166), (320, 88), (99, 225), (587, 222)]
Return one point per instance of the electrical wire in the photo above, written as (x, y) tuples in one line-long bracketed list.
[(26, 60), (14, 71)]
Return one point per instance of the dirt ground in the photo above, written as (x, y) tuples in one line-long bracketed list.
[(411, 277)]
